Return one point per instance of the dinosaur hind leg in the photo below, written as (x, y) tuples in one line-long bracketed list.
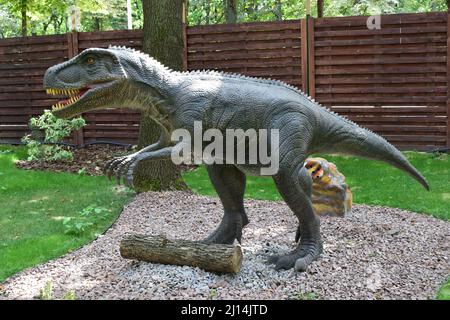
[(295, 188), (229, 183)]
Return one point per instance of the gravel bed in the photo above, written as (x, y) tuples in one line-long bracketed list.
[(372, 253)]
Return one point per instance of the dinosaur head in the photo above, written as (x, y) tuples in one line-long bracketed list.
[(100, 78), (88, 81)]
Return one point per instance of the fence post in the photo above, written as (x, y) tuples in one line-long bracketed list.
[(307, 47), (72, 44), (311, 59), (448, 79), (304, 54), (185, 25)]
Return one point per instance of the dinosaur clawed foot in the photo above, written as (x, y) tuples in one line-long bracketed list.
[(123, 167), (228, 231), (300, 258)]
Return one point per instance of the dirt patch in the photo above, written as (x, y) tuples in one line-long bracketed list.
[(371, 253), (90, 159)]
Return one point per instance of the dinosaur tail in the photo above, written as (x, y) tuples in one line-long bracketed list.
[(361, 142)]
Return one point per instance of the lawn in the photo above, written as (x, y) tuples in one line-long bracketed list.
[(44, 215)]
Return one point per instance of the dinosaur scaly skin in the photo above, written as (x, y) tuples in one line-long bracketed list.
[(121, 77)]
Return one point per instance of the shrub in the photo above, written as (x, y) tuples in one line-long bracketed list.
[(85, 219), (55, 130)]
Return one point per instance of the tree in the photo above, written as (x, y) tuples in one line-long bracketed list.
[(163, 40), (230, 8)]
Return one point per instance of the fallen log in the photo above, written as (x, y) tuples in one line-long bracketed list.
[(159, 249)]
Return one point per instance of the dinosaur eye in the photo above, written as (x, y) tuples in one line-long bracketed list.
[(90, 60)]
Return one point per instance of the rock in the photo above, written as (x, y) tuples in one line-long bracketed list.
[(330, 196)]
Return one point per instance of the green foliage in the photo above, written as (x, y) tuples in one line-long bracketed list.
[(55, 131), (84, 220), (71, 295), (46, 293), (444, 291), (34, 204), (211, 12), (50, 16), (305, 296)]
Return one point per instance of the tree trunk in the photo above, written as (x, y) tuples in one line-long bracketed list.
[(319, 8), (97, 25), (230, 9), (278, 10), (159, 249), (163, 40), (24, 18)]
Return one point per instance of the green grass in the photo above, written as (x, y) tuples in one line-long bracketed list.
[(371, 183), (33, 205)]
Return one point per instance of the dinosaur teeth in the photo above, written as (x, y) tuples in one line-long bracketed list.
[(67, 92)]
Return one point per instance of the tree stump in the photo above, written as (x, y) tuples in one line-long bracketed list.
[(159, 249)]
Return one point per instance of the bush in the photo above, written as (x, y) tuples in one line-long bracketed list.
[(55, 130)]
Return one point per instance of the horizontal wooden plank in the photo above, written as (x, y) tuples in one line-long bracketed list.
[(414, 129), (380, 89), (17, 41), (250, 26), (12, 134), (327, 79), (393, 119), (294, 53), (34, 48), (27, 65), (33, 56), (388, 19), (240, 45), (403, 49), (253, 63), (396, 30), (380, 60), (243, 36), (381, 41), (407, 110), (108, 134), (21, 80), (110, 35), (381, 99), (106, 43), (415, 138), (385, 69)]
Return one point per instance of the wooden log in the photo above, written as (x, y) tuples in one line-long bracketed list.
[(159, 249)]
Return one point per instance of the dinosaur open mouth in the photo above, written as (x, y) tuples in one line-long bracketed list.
[(73, 95)]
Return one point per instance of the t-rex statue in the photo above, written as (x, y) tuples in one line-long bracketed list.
[(125, 78)]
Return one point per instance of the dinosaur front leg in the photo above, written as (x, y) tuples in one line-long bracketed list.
[(295, 187), (127, 171), (229, 183), (119, 163)]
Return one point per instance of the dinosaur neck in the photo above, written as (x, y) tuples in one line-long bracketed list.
[(148, 87)]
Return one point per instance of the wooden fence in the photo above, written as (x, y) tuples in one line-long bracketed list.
[(393, 80)]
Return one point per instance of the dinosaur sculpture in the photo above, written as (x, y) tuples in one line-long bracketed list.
[(121, 77)]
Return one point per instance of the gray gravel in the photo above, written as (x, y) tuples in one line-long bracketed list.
[(372, 253)]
